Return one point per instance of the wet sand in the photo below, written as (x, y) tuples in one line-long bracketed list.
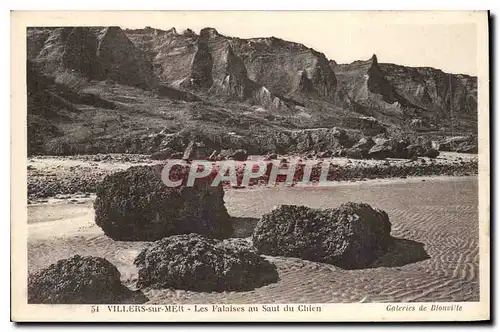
[(435, 257)]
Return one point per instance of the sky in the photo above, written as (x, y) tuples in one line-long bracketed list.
[(446, 42)]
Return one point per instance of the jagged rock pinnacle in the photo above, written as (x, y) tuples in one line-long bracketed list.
[(209, 32)]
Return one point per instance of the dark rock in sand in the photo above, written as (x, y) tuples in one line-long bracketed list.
[(351, 236), (431, 153), (193, 262), (203, 211), (78, 280), (136, 205)]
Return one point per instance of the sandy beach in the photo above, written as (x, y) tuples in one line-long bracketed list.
[(435, 257)]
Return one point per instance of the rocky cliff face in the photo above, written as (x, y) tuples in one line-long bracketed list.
[(364, 88), (402, 95), (97, 53), (287, 68), (446, 97), (80, 52), (122, 61), (207, 62), (87, 82), (216, 62)]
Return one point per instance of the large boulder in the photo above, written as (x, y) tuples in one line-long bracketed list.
[(203, 211), (136, 205), (381, 151), (78, 280), (193, 262), (351, 236)]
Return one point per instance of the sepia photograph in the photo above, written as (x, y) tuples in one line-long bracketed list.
[(250, 166)]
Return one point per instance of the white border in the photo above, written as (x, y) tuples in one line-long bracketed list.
[(197, 4)]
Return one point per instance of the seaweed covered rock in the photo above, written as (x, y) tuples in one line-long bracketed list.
[(203, 211), (350, 236), (136, 205), (78, 280), (193, 262)]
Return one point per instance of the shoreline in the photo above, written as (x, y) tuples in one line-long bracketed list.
[(77, 200), (49, 177)]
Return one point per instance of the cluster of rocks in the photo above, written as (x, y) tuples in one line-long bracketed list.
[(194, 262), (368, 148), (462, 144), (320, 143), (136, 205), (420, 167), (200, 151), (260, 142), (43, 183), (339, 145), (78, 280), (350, 236)]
